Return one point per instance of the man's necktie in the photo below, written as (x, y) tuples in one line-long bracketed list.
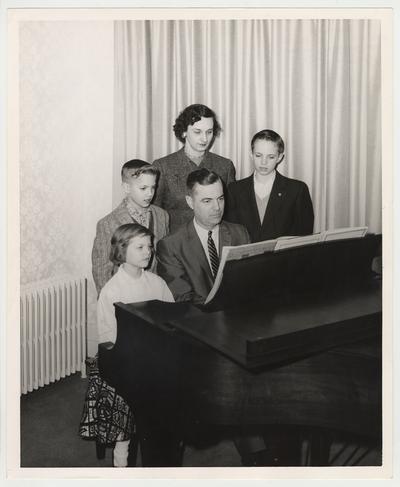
[(212, 252)]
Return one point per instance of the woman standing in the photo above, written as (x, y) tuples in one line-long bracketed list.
[(196, 127)]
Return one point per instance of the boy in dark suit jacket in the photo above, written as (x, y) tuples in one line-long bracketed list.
[(268, 204), (188, 259), (139, 182)]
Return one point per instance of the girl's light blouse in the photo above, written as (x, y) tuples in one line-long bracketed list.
[(125, 289)]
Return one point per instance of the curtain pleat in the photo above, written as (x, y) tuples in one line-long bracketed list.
[(316, 82)]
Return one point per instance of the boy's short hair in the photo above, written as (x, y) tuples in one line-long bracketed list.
[(121, 239), (192, 114), (267, 134), (135, 168), (201, 176)]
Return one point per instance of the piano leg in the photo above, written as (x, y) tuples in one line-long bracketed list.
[(133, 450), (320, 444), (100, 450), (283, 445), (159, 447)]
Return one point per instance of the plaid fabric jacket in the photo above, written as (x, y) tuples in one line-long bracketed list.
[(102, 268)]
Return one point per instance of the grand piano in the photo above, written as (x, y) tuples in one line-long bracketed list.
[(292, 339)]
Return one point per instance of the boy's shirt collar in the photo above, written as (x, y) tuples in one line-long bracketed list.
[(263, 189), (137, 213)]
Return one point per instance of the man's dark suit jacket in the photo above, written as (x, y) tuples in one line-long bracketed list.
[(182, 262), (289, 210)]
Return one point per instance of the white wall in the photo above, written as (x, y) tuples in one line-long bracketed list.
[(66, 142)]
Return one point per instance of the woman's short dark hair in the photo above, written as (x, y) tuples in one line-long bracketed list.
[(201, 176), (135, 168), (269, 135), (192, 114), (121, 239)]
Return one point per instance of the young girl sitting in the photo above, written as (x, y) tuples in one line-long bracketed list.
[(131, 250)]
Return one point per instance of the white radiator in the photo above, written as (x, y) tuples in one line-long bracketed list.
[(53, 331)]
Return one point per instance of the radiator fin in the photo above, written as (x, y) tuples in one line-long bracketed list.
[(53, 331)]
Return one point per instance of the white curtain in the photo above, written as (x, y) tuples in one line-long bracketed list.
[(316, 82)]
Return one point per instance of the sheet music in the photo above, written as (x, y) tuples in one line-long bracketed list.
[(291, 242), (343, 233), (237, 253), (240, 252)]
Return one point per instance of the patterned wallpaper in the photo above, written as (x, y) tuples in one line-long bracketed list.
[(66, 127)]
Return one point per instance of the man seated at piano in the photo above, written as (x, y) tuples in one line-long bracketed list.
[(188, 259)]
